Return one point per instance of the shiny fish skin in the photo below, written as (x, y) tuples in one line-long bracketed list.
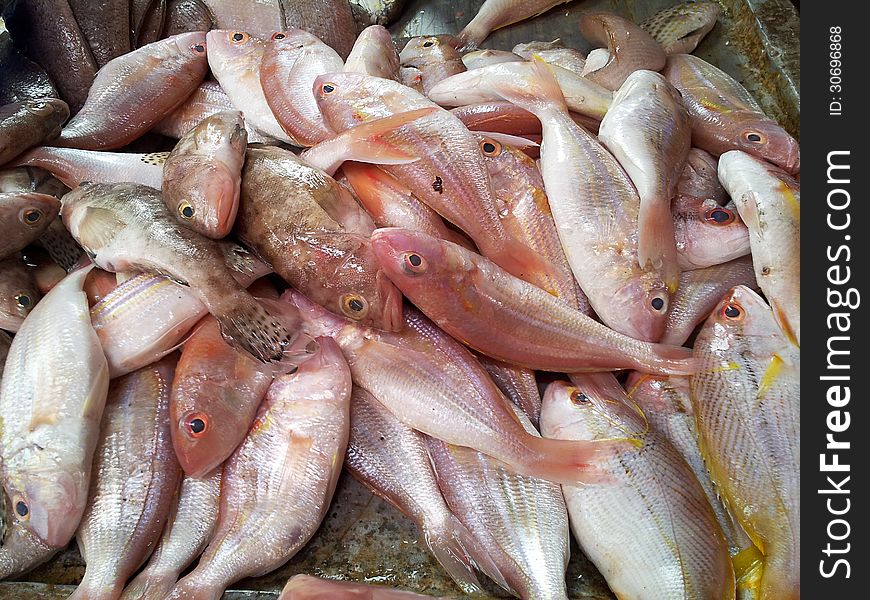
[(495, 14), (18, 292), (376, 12), (746, 399), (51, 424), (135, 477), (520, 520), (726, 117), (699, 293), (510, 320), (189, 526), (769, 202), (187, 15), (554, 53), (29, 123), (392, 460), (61, 247), (374, 53), (481, 58), (146, 21), (105, 25), (30, 179), (202, 174), (135, 91), (73, 166), (24, 216), (20, 78), (329, 20), (218, 387), (307, 587), (680, 28), (126, 227), (706, 233), (672, 542), (435, 56), (278, 484), (518, 384)]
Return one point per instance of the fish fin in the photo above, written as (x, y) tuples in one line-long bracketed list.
[(670, 360), (656, 244), (506, 139), (149, 585), (241, 260), (248, 326), (519, 260), (570, 462), (541, 91), (784, 323), (748, 567), (450, 547), (100, 226), (771, 374)]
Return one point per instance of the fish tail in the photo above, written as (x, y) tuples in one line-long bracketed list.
[(537, 93), (193, 587), (656, 245), (668, 360), (149, 586), (247, 325), (569, 462), (97, 589)]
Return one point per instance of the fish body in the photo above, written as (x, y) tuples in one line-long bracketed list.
[(481, 58), (187, 15), (374, 53), (726, 117), (706, 233), (278, 484), (24, 217), (680, 28), (629, 48), (105, 25), (18, 293), (495, 14), (20, 78), (135, 479), (73, 166), (261, 18), (518, 384), (307, 587), (746, 400), (29, 123), (376, 12), (330, 20), (554, 53), (135, 91)]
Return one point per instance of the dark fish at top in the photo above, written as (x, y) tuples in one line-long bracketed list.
[(146, 21), (330, 20), (186, 15), (23, 218), (20, 78), (376, 12), (29, 123), (105, 25)]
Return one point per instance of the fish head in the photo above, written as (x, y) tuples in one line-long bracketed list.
[(294, 40), (709, 231), (742, 313), (427, 50), (315, 320), (766, 139), (31, 211), (234, 52), (52, 113), (642, 304), (593, 406), (49, 503), (211, 200), (18, 293)]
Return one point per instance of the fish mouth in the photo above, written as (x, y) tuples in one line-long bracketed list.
[(54, 510)]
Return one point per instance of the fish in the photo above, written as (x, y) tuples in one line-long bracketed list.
[(481, 58), (680, 28), (18, 292), (54, 37), (594, 205), (499, 117), (148, 316), (191, 521), (506, 318), (215, 395), (294, 450), (315, 236), (261, 19), (450, 176), (671, 542), (51, 424), (202, 174), (61, 247), (330, 20), (73, 166), (29, 123), (20, 549), (630, 48), (146, 21), (726, 117), (411, 77), (554, 53), (746, 400), (186, 15), (24, 216), (105, 24), (206, 100), (376, 12), (454, 399), (495, 14), (308, 587), (435, 56), (700, 178), (20, 78), (136, 477), (291, 62), (126, 227), (391, 459), (768, 201), (520, 520), (374, 53), (135, 91), (518, 384), (706, 233), (649, 132), (699, 292), (30, 179)]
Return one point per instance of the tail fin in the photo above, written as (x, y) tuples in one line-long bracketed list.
[(656, 244), (668, 360), (149, 586), (247, 326), (192, 587), (568, 462), (537, 91)]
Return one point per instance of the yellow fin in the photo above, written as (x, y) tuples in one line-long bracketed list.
[(771, 374)]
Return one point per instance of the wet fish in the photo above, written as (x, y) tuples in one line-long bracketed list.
[(435, 56), (376, 12), (746, 399), (315, 236), (188, 528), (147, 316), (30, 179), (521, 521), (699, 292), (392, 460), (261, 18), (554, 53), (454, 399), (706, 233), (135, 91), (73, 166), (649, 132), (374, 53), (146, 21), (215, 396), (518, 384), (126, 227), (671, 543), (630, 48), (481, 58), (700, 178), (18, 292), (29, 123), (62, 247), (51, 424), (294, 452), (680, 28), (495, 14), (508, 319), (330, 20), (20, 549), (411, 77), (24, 216), (202, 174), (20, 78), (187, 15), (769, 202), (136, 477), (726, 117), (291, 62), (105, 25), (308, 587)]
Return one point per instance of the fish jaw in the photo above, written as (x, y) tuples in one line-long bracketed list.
[(214, 193), (55, 507)]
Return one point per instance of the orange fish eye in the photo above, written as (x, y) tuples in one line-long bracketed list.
[(490, 147), (186, 210), (719, 216), (328, 88), (733, 311), (413, 263), (578, 398), (239, 37), (278, 35), (198, 48), (754, 137), (354, 306), (31, 216), (195, 425)]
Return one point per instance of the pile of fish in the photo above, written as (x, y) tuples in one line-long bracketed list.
[(242, 247)]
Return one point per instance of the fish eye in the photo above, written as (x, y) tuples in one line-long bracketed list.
[(354, 306), (239, 37), (21, 509), (413, 263), (24, 301), (579, 398), (490, 148), (430, 42), (186, 210), (753, 137), (39, 107), (195, 425), (31, 216), (327, 88), (719, 216), (198, 48), (279, 36), (733, 311), (659, 303)]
